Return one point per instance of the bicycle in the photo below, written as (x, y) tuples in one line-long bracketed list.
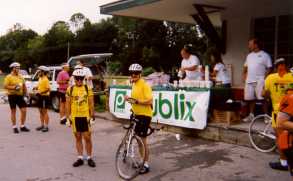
[(261, 134), (130, 154)]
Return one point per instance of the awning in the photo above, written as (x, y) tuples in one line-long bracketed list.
[(169, 10)]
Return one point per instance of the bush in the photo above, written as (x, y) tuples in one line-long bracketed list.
[(147, 71)]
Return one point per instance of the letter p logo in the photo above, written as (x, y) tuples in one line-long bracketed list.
[(119, 103)]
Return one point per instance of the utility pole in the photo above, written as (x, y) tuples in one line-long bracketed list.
[(68, 50)]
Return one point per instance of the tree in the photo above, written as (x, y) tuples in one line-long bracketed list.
[(77, 21)]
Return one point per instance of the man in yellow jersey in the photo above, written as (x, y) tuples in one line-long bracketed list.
[(15, 86), (43, 93), (80, 114), (142, 108), (275, 87)]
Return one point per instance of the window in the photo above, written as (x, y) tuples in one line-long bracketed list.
[(276, 33)]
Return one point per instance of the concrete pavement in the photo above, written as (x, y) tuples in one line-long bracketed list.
[(38, 156)]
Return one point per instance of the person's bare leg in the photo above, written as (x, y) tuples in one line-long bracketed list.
[(78, 144), (62, 109), (45, 116), (88, 143), (144, 140), (22, 115), (41, 117), (13, 116)]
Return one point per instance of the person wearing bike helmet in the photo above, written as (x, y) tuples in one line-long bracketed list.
[(142, 108), (43, 93), (80, 115), (285, 124), (15, 86), (275, 88)]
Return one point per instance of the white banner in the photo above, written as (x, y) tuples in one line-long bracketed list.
[(179, 108)]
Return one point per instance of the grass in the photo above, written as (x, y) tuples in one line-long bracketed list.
[(1, 81), (101, 106)]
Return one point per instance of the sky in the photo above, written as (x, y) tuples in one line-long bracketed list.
[(40, 15)]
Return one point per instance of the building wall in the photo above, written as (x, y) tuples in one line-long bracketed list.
[(239, 16)]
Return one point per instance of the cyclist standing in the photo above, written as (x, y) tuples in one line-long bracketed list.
[(80, 114), (14, 84), (285, 123), (62, 80), (142, 108), (275, 87), (43, 93)]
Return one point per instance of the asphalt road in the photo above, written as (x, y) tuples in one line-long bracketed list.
[(37, 156)]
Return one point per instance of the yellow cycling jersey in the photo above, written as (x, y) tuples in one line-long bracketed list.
[(44, 85), (14, 80), (79, 101), (277, 87), (142, 91)]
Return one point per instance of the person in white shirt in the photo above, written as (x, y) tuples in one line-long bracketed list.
[(88, 74), (190, 64), (220, 73), (257, 66)]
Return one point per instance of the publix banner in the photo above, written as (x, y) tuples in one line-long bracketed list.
[(179, 108)]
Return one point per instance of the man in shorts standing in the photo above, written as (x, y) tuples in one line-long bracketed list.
[(43, 93), (80, 115), (63, 80), (275, 88), (15, 86), (142, 109), (257, 66)]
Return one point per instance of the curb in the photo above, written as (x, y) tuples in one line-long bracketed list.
[(213, 132)]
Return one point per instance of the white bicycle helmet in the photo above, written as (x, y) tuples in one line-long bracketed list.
[(77, 67), (43, 68), (135, 67), (14, 64), (79, 73)]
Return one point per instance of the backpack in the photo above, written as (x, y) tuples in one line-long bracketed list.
[(86, 89)]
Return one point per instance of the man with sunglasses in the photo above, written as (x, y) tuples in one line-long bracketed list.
[(80, 114), (142, 108), (15, 86)]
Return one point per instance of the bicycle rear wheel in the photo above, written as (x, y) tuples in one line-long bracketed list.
[(130, 158), (261, 134)]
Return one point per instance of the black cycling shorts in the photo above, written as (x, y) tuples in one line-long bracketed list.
[(16, 100), (62, 96), (289, 155), (81, 124), (142, 126), (43, 102)]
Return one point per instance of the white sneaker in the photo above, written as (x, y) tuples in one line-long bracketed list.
[(249, 118)]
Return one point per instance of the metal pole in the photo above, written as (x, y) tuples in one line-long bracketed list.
[(68, 50)]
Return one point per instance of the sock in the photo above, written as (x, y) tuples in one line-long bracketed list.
[(22, 126), (64, 117), (88, 157), (284, 162), (146, 164), (80, 157), (14, 126)]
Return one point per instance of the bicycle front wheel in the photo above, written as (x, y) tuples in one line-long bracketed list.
[(130, 158), (261, 134)]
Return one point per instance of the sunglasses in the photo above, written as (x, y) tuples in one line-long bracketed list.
[(134, 73), (78, 78)]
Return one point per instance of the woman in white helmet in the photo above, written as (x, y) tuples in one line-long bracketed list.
[(15, 86), (43, 93), (80, 114), (142, 108)]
